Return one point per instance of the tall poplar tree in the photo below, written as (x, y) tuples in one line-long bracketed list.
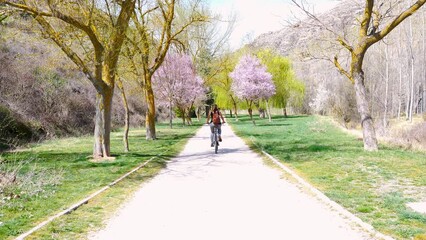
[(287, 86)]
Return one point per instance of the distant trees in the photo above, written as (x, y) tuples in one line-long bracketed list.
[(251, 82), (261, 82), (375, 24), (176, 84)]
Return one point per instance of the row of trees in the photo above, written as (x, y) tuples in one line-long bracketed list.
[(378, 19), (261, 79), (93, 35), (177, 86)]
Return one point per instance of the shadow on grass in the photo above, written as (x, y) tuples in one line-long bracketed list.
[(78, 160), (147, 156), (293, 117), (301, 149), (272, 124), (160, 137)]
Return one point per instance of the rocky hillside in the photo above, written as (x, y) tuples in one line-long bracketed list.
[(301, 34)]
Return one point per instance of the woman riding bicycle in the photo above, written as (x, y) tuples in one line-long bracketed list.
[(214, 120)]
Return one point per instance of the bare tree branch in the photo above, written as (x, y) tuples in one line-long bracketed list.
[(342, 70), (366, 18), (401, 17)]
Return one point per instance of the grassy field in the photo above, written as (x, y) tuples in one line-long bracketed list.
[(57, 173), (375, 186)]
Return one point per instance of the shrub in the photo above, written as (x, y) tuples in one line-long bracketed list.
[(12, 130)]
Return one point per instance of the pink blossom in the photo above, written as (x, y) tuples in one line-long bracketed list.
[(176, 84), (251, 81)]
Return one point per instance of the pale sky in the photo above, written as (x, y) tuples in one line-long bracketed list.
[(255, 17)]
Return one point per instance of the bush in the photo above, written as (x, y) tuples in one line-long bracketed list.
[(12, 130)]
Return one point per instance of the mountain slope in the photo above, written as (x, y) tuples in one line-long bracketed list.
[(301, 34)]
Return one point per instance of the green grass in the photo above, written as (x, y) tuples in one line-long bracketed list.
[(375, 186), (66, 161)]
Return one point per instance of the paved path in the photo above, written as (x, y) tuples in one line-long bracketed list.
[(230, 195)]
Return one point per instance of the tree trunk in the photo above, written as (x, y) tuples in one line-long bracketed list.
[(259, 109), (150, 114), (412, 90), (407, 105), (188, 117), (373, 89), (250, 111), (103, 122), (285, 112), (236, 111), (198, 113), (126, 116), (385, 121), (183, 116), (170, 115), (424, 60), (230, 113), (412, 72), (268, 111), (400, 92), (368, 131), (400, 95), (261, 113)]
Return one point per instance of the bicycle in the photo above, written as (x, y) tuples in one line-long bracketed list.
[(215, 138)]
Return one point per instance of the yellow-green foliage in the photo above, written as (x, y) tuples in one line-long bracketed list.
[(420, 237), (221, 83), (289, 90)]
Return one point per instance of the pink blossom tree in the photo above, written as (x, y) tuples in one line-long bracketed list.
[(188, 93), (176, 84), (251, 82)]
